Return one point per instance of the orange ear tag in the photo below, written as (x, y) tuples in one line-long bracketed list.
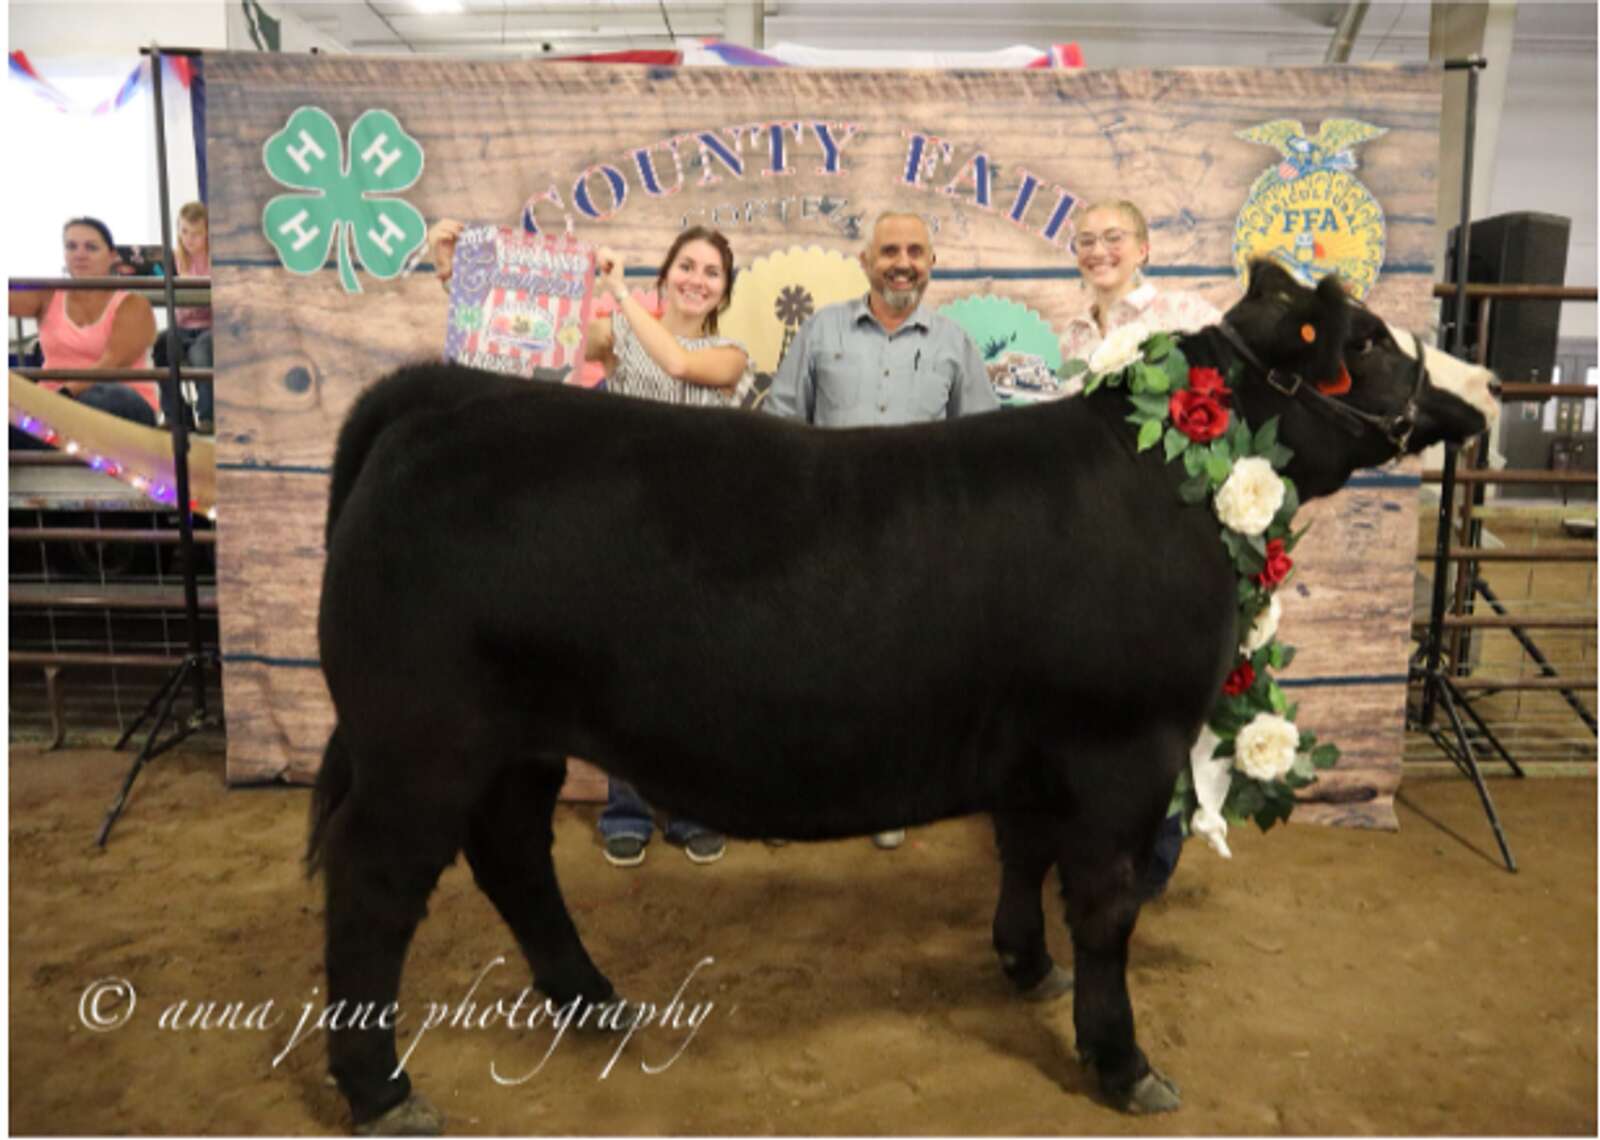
[(1308, 333), (1336, 387)]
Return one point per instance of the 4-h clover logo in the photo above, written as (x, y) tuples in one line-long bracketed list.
[(308, 155)]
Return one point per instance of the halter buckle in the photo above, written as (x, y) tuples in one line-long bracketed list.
[(1289, 388)]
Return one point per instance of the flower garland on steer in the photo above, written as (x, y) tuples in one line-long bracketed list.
[(1250, 757)]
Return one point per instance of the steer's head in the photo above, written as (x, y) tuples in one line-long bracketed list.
[(1352, 392)]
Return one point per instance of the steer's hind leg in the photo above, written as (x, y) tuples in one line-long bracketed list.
[(1029, 843), (384, 856), (1103, 847), (508, 845)]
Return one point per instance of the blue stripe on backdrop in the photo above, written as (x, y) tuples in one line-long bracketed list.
[(1337, 681), (1383, 479), (283, 469), (274, 662)]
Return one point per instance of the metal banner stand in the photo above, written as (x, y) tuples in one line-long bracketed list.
[(1437, 688), (198, 660)]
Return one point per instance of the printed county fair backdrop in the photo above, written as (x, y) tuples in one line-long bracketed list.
[(323, 169)]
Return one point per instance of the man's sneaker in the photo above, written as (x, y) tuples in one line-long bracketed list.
[(707, 847), (889, 840), (624, 850)]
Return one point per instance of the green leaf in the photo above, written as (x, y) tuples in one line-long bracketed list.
[(387, 230), (1325, 755), (1279, 456), (1176, 368), (1218, 467), (1194, 460), (384, 159), (1077, 366), (1275, 698), (1245, 798), (1266, 437), (1287, 652), (1157, 346), (1304, 768), (301, 228), (1291, 504), (1155, 379), (308, 153), (1150, 404), (1239, 438), (1149, 434), (1182, 801), (1194, 490), (1175, 442)]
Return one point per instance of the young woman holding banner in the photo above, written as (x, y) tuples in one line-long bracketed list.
[(676, 358)]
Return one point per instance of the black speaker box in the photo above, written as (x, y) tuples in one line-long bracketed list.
[(1514, 249)]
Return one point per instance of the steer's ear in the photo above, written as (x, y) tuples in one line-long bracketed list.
[(1332, 329), (1268, 277)]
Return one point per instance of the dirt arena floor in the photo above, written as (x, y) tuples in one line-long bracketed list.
[(1320, 982)]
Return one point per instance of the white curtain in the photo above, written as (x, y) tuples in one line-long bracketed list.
[(67, 163)]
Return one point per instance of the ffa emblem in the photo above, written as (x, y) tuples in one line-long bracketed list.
[(1309, 211)]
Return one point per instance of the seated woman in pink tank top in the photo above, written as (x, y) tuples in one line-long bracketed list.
[(93, 328)]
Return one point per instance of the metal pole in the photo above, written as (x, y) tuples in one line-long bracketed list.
[(1458, 335), (174, 400)]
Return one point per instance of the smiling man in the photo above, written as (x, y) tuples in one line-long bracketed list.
[(883, 358)]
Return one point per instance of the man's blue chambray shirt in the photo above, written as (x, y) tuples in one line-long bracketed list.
[(843, 370)]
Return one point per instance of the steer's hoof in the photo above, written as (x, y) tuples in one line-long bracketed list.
[(1152, 1093), (1057, 983), (413, 1116)]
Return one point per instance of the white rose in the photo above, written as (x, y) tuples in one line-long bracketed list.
[(1250, 497), (1264, 748), (1265, 627), (1119, 349)]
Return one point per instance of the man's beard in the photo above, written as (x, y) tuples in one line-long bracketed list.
[(902, 299)]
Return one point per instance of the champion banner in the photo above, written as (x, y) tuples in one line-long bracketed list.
[(326, 170)]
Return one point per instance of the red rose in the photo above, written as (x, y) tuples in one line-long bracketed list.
[(1240, 680), (1199, 416), (1209, 382), (1278, 565)]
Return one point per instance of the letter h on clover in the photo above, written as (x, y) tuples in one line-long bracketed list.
[(308, 155)]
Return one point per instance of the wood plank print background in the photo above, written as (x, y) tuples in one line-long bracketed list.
[(782, 160)]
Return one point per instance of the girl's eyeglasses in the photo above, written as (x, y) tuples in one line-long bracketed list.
[(1088, 243)]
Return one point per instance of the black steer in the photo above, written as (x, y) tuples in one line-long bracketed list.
[(784, 631)]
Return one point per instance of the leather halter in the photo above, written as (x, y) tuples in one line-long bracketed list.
[(1396, 427)]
